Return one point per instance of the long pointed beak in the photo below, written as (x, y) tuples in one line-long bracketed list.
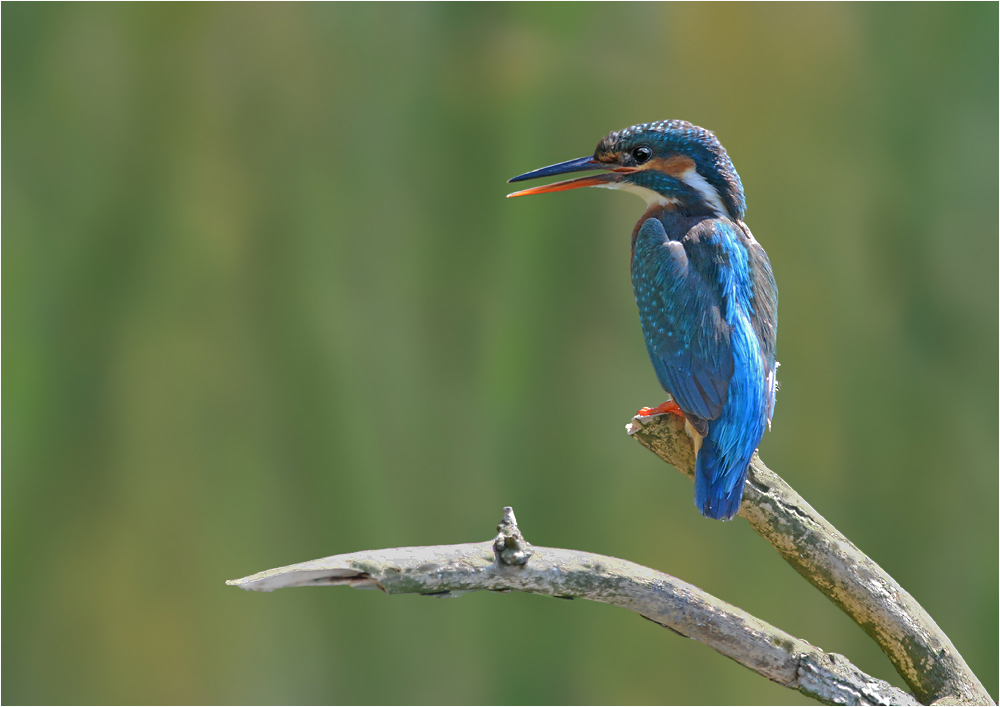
[(578, 165)]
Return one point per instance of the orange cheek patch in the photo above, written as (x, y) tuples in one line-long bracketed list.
[(676, 166)]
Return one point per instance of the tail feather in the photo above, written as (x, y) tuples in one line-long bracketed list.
[(722, 462), (719, 480)]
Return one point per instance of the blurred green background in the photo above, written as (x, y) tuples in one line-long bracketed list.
[(264, 301)]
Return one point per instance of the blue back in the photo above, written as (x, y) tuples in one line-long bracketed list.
[(708, 307)]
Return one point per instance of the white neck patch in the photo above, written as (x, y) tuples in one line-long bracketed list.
[(707, 191)]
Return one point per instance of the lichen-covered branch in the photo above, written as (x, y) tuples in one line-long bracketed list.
[(509, 563), (921, 652)]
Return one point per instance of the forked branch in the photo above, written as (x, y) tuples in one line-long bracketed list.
[(922, 654)]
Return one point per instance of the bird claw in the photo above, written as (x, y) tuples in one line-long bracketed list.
[(668, 407)]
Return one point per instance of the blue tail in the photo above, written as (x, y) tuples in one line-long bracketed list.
[(719, 479), (724, 457)]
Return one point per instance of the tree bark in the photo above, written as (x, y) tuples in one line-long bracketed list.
[(922, 654), (509, 563)]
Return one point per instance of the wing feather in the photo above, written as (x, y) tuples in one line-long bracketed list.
[(680, 301)]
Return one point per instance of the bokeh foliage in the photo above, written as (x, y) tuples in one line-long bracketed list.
[(264, 301)]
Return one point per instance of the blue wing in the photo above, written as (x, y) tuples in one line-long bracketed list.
[(679, 287)]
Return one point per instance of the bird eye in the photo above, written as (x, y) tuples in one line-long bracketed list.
[(641, 154)]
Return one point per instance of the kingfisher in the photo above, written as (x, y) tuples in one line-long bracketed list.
[(707, 298)]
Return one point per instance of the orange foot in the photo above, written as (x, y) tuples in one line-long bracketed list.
[(669, 406)]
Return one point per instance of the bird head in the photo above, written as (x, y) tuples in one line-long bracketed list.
[(670, 163)]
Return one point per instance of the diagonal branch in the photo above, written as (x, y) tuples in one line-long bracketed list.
[(922, 654), (509, 563)]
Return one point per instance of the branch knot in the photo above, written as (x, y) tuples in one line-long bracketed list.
[(510, 547)]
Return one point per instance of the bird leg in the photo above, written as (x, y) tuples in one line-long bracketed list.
[(669, 406)]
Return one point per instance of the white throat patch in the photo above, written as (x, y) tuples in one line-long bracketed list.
[(689, 177), (651, 197)]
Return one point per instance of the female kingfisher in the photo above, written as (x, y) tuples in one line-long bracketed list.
[(708, 302)]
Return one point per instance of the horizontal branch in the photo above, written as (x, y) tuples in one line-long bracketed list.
[(921, 652), (509, 563)]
